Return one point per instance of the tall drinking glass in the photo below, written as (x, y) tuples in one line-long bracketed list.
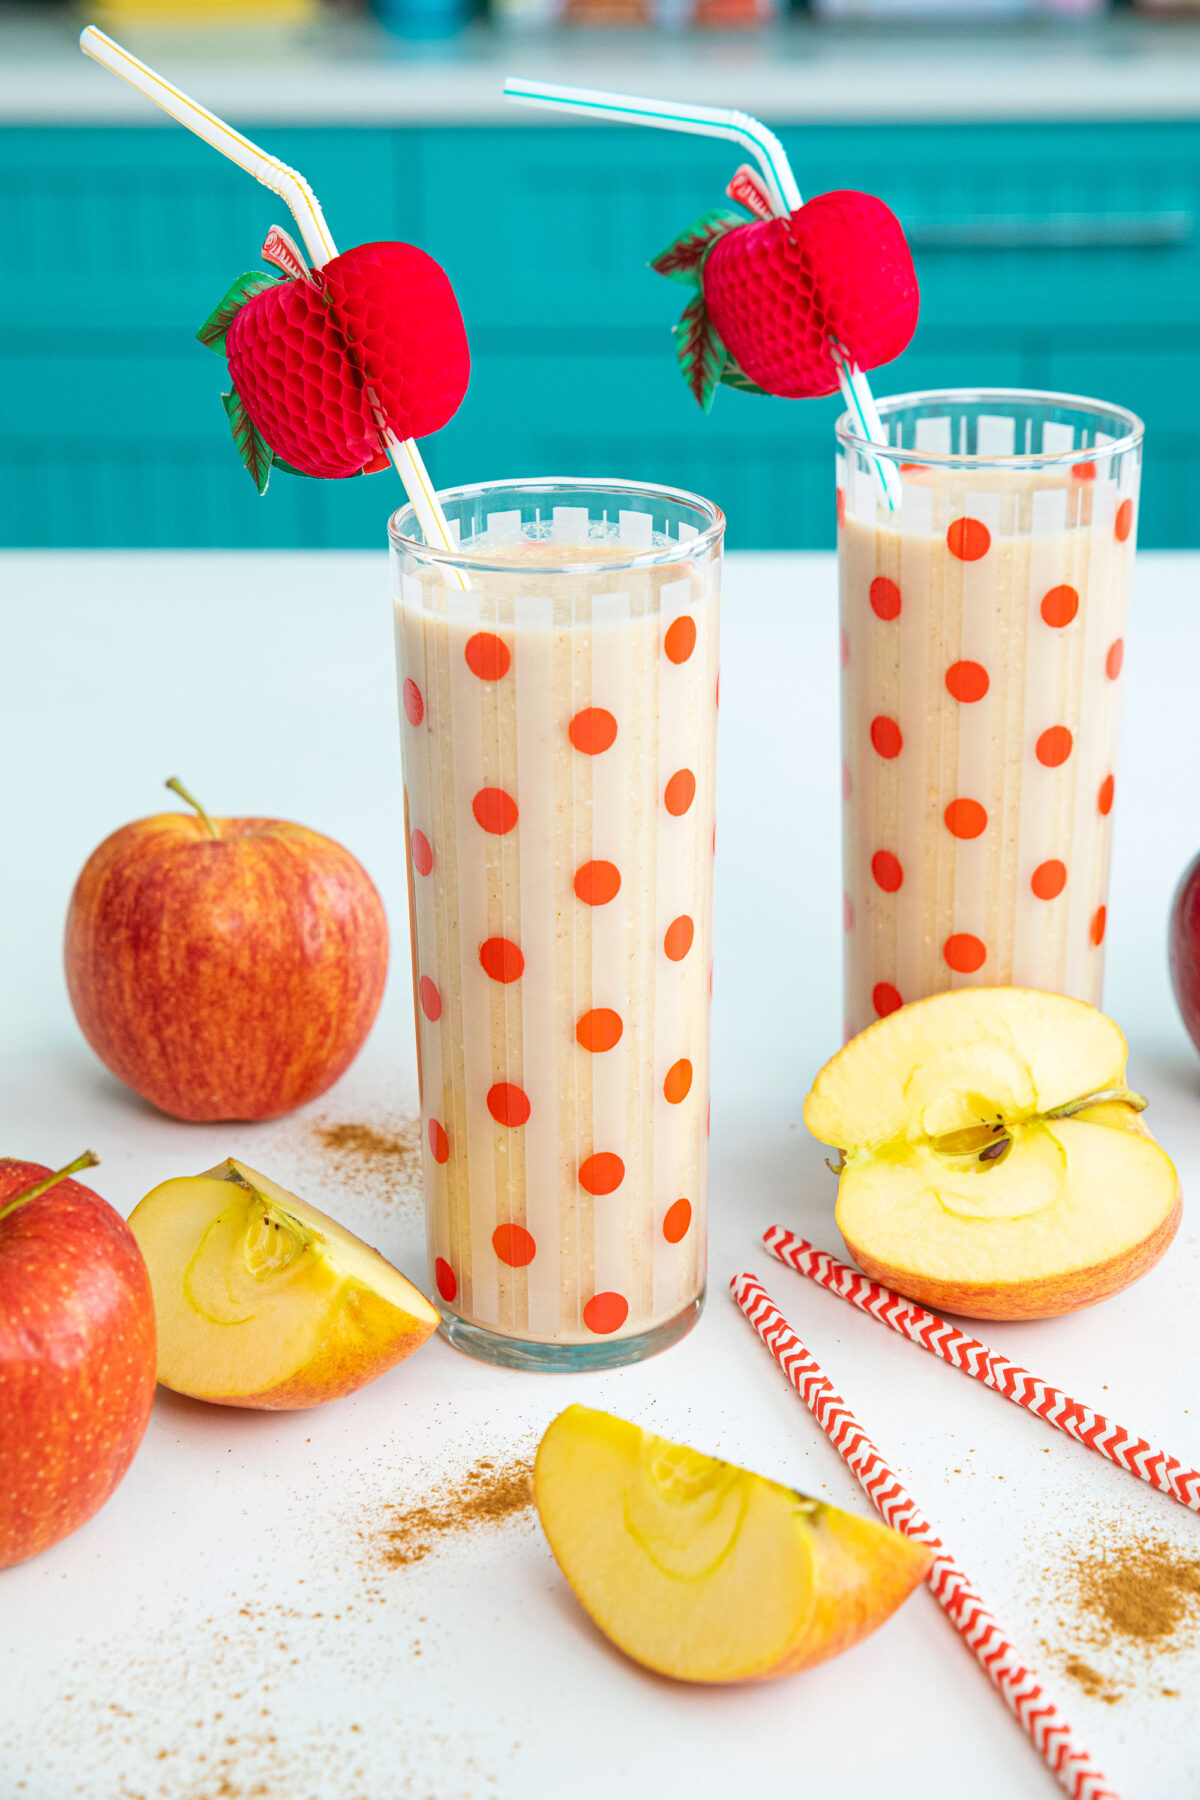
[(983, 638), (558, 685)]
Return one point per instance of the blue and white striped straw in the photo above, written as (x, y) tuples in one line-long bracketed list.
[(768, 152)]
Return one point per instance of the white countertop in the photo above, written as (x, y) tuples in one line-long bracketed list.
[(356, 73), (223, 1628)]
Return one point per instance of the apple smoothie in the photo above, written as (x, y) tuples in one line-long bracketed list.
[(983, 629), (559, 729)]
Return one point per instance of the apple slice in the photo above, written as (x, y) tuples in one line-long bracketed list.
[(701, 1570), (994, 1163), (264, 1301)]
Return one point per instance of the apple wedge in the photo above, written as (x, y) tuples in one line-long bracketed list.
[(262, 1300), (701, 1570), (994, 1162)]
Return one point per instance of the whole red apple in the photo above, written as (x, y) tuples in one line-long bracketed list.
[(224, 968), (1183, 942), (77, 1354)]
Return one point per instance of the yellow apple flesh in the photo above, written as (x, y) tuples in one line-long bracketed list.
[(263, 1301), (702, 1570), (995, 1164)]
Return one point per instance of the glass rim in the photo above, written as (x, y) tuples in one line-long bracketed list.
[(486, 562), (1134, 432)]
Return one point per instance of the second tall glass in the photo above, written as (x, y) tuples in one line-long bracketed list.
[(983, 638), (559, 698)]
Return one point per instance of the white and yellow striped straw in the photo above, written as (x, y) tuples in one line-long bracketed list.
[(784, 195), (292, 188)]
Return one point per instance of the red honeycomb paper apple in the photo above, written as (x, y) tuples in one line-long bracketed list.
[(775, 297), (325, 363)]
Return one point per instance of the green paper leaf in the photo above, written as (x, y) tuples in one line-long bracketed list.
[(682, 259), (252, 446), (700, 351), (213, 330), (734, 377)]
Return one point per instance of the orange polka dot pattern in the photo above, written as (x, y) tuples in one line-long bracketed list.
[(501, 959), (968, 539), (593, 730), (495, 810), (680, 792), (422, 853), (514, 1245), (1049, 879), (887, 871), (680, 638), (886, 737), (599, 1029), (488, 656), (998, 672), (965, 819), (885, 998), (967, 681), (493, 1123), (677, 1220), (964, 953), (605, 1313)]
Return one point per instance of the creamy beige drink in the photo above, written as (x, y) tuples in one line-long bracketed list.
[(559, 721), (982, 644)]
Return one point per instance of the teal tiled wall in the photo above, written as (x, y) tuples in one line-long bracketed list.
[(1054, 256)]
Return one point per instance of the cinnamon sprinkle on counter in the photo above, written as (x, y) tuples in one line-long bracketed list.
[(1133, 1600), (489, 1494)]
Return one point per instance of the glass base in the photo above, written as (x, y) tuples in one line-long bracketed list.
[(604, 1353)]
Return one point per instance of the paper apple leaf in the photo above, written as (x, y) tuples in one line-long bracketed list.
[(252, 446), (734, 377), (700, 351), (681, 259), (213, 330), (749, 190), (283, 252)]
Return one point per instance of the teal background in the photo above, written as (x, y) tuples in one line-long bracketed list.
[(120, 241)]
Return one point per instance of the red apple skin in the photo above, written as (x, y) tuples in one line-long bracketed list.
[(233, 977), (1184, 949), (77, 1358)]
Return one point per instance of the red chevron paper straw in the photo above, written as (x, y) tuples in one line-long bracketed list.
[(1017, 1684), (1115, 1442)]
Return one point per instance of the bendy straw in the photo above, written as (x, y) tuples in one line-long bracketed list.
[(1016, 1683), (1086, 1426), (306, 210), (781, 189)]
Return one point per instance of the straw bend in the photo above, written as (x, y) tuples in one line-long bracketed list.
[(782, 191), (1017, 1684), (1088, 1427), (669, 115), (305, 208), (283, 180)]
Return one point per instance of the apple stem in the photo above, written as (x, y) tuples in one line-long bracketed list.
[(176, 786), (87, 1161), (1123, 1096)]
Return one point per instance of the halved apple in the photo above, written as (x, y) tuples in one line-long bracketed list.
[(701, 1570), (994, 1163), (264, 1301)]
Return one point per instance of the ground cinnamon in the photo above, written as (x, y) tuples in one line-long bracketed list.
[(488, 1494), (1142, 1591), (1095, 1685), (1134, 1601), (377, 1161)]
